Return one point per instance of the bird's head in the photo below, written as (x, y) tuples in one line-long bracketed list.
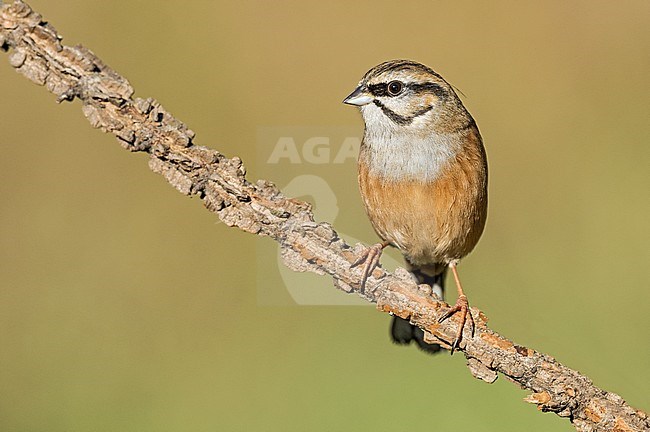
[(402, 96)]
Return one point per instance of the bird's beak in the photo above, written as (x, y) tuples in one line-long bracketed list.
[(358, 97)]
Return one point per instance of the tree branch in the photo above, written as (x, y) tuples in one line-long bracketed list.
[(143, 125)]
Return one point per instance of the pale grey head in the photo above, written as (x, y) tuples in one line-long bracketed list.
[(402, 95)]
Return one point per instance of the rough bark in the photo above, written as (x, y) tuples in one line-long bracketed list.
[(143, 125)]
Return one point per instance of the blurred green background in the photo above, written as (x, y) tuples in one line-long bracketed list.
[(127, 306)]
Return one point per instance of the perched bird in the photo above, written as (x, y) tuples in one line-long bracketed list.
[(422, 177)]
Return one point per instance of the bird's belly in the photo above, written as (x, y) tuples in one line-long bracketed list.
[(433, 222)]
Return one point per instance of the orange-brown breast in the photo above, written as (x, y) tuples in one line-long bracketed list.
[(431, 222)]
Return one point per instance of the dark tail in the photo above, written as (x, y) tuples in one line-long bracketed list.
[(402, 331)]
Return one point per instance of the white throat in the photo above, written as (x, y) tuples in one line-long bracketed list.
[(405, 156)]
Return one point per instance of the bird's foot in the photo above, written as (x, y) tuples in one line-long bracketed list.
[(461, 306), (370, 259)]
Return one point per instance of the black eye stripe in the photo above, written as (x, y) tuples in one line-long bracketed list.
[(381, 89), (428, 87)]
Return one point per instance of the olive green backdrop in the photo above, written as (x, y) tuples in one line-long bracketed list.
[(126, 306)]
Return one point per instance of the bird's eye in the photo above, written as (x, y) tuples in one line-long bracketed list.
[(395, 88)]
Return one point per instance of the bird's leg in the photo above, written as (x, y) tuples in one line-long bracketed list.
[(369, 258), (462, 306)]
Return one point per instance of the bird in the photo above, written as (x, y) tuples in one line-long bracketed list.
[(423, 178)]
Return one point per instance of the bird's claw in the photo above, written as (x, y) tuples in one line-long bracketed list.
[(370, 259), (462, 306)]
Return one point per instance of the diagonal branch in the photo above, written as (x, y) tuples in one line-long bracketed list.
[(143, 125)]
